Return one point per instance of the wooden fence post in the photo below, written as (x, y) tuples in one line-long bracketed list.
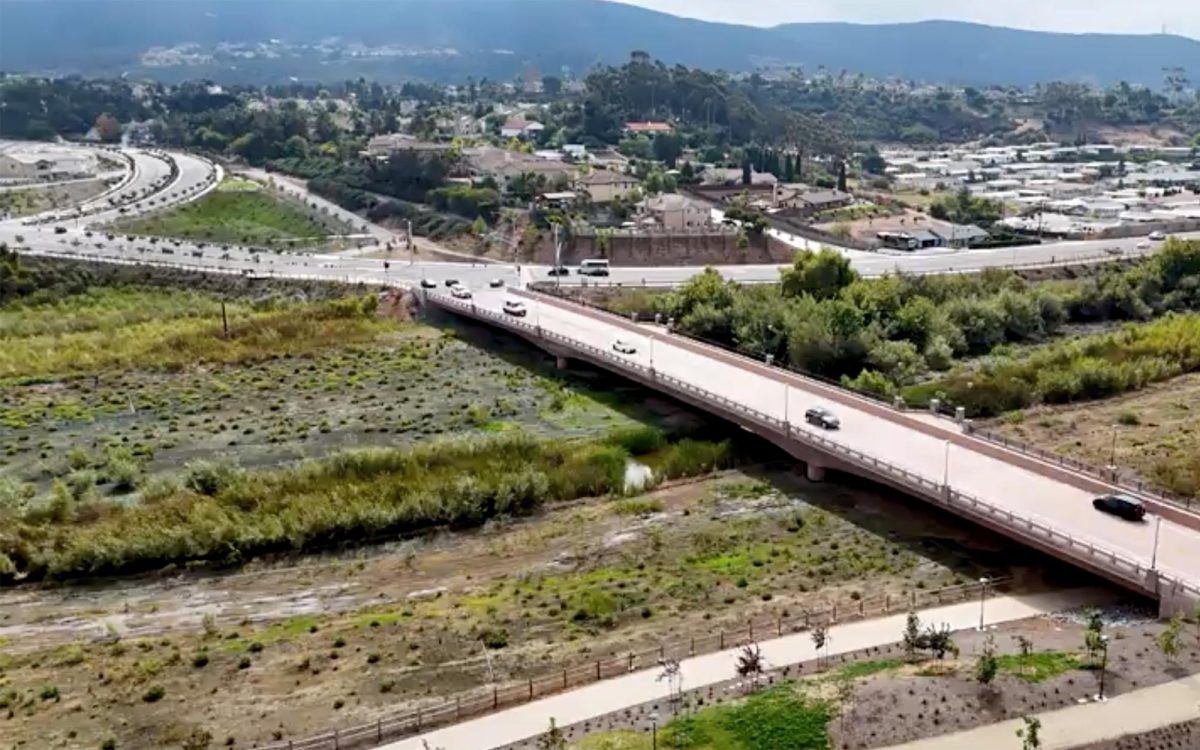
[(379, 730), (336, 743), (597, 670), (530, 688), (495, 697)]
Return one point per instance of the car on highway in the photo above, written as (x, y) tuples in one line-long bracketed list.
[(515, 307), (558, 271), (823, 418), (1157, 236), (496, 283), (621, 346), (1113, 250), (451, 282), (1121, 506), (1143, 245), (60, 230), (428, 284), (459, 291)]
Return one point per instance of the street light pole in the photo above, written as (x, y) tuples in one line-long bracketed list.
[(946, 467), (653, 730), (787, 422), (1112, 457), (1103, 666), (1154, 552), (983, 584)]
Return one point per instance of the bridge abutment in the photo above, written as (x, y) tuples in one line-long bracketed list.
[(560, 362), (814, 472)]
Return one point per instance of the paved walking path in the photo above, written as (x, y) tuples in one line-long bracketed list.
[(588, 702), (1074, 726)]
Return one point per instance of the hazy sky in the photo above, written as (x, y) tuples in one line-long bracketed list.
[(1127, 16)]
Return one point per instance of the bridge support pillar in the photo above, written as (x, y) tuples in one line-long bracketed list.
[(560, 363), (814, 472), (1172, 598)]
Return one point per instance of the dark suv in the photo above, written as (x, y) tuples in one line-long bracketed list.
[(823, 418), (1121, 506)]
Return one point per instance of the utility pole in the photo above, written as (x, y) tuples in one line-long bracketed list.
[(224, 319)]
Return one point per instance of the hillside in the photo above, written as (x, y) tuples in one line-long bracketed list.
[(268, 40)]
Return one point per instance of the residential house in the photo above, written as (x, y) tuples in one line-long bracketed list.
[(961, 235), (604, 186), (560, 200), (392, 143), (648, 128), (816, 201), (20, 166), (917, 239), (676, 212), (517, 127), (502, 165)]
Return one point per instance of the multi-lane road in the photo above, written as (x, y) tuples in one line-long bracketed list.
[(159, 179)]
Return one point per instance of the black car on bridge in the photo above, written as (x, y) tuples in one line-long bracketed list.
[(1121, 506)]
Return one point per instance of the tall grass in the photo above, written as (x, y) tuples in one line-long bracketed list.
[(95, 335), (226, 515)]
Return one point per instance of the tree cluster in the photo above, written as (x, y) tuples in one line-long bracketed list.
[(885, 334)]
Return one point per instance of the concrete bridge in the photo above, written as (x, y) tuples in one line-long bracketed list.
[(1034, 501)]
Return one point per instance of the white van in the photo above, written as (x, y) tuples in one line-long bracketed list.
[(594, 267)]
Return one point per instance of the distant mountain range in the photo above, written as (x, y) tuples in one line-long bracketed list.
[(273, 40)]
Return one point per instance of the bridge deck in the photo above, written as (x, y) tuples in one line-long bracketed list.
[(1038, 503)]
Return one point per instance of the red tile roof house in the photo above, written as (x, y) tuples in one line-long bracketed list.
[(648, 128)]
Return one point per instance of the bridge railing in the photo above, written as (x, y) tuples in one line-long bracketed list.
[(1033, 528)]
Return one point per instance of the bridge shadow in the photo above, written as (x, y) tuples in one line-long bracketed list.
[(623, 396)]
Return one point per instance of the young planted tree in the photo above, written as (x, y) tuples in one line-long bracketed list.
[(987, 665), (1168, 639), (912, 636), (1093, 637), (938, 641), (1029, 734), (750, 664), (820, 638), (553, 739)]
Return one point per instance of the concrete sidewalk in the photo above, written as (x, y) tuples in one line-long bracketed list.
[(1131, 713), (591, 701)]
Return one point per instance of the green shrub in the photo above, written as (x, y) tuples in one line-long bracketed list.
[(209, 477), (154, 693), (694, 457), (494, 638), (1128, 419), (638, 440)]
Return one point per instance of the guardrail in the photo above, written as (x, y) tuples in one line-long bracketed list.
[(1083, 467), (1031, 528), (476, 703), (1101, 474)]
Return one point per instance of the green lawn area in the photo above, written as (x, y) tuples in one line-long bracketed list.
[(236, 216), (1039, 666), (238, 184), (776, 719)]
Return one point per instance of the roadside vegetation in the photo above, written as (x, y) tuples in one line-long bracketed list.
[(1152, 432), (237, 214), (970, 340)]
